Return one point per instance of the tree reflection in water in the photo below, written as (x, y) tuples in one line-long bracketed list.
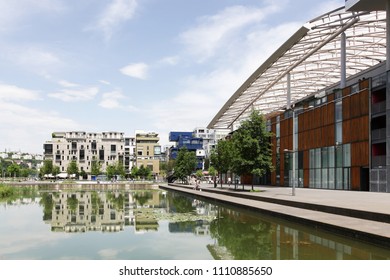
[(228, 233), (245, 237)]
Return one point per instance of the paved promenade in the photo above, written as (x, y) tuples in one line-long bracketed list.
[(361, 215)]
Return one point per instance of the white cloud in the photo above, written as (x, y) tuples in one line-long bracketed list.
[(111, 100), (32, 57), (136, 70), (116, 13), (72, 95), (215, 32), (14, 12), (202, 95), (107, 83), (115, 100), (67, 84), (15, 93), (170, 60), (28, 128), (108, 253)]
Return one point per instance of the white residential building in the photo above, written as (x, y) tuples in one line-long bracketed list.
[(84, 147)]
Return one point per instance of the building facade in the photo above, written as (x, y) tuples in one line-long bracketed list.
[(148, 151), (85, 147), (324, 94), (191, 142)]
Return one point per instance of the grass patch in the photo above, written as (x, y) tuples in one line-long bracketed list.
[(6, 191)]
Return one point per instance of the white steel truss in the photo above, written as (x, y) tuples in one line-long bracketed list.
[(312, 57)]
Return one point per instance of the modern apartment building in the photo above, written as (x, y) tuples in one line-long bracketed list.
[(148, 151), (191, 142), (84, 147)]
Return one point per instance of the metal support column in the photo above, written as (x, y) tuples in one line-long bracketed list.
[(343, 62), (289, 90)]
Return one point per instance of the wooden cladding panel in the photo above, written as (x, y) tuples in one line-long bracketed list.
[(359, 104), (328, 135), (346, 91), (364, 84), (356, 129), (306, 177), (364, 101), (316, 138), (316, 118), (329, 114), (284, 143), (360, 154), (286, 127), (347, 108), (355, 178)]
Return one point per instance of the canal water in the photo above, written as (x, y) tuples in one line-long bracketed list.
[(45, 224)]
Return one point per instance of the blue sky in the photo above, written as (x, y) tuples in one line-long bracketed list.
[(126, 65)]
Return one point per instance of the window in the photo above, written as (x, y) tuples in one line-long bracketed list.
[(338, 122)]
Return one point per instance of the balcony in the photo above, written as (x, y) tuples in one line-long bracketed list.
[(378, 161), (379, 107), (378, 134)]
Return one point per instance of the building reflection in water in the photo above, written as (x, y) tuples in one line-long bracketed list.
[(235, 234), (113, 211)]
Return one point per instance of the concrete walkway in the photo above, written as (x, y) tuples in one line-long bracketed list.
[(361, 215)]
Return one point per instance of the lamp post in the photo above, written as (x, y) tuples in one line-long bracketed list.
[(293, 169), (293, 153)]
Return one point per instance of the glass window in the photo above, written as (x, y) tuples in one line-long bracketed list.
[(318, 178), (331, 178), (339, 156), (318, 158), (338, 111), (347, 178), (339, 132), (312, 179), (312, 159), (324, 183), (331, 156), (339, 178), (324, 157), (347, 155), (300, 160)]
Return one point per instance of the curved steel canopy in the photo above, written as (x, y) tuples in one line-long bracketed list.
[(312, 57)]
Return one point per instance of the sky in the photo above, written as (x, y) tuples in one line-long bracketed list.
[(127, 65)]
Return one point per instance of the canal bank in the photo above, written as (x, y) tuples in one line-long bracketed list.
[(364, 216)]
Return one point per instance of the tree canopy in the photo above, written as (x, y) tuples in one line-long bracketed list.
[(222, 157), (185, 164), (252, 147)]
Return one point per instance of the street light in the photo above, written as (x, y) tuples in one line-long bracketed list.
[(293, 152), (293, 170)]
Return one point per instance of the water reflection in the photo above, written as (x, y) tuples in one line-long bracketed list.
[(112, 211), (227, 233)]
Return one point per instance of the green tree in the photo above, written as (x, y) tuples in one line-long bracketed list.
[(199, 174), (56, 170), (185, 164), (252, 147), (212, 171), (111, 171), (13, 170), (134, 172), (222, 157), (120, 169), (73, 168), (96, 167), (144, 172), (47, 168)]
